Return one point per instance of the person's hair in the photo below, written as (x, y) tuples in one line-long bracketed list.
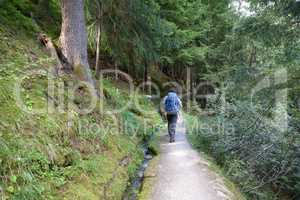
[(172, 90)]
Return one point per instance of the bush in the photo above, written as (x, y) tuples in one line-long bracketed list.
[(259, 157)]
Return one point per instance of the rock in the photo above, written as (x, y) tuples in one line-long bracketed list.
[(145, 165), (148, 157), (222, 195), (140, 174)]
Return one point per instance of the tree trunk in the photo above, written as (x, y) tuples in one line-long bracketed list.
[(252, 56), (97, 68), (145, 74), (73, 38), (98, 42)]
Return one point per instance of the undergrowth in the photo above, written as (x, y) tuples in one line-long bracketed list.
[(242, 164)]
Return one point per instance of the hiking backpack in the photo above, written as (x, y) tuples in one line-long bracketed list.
[(172, 103)]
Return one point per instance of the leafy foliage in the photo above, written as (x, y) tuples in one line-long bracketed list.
[(260, 62)]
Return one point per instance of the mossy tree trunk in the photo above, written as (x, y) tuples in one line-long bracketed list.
[(73, 38)]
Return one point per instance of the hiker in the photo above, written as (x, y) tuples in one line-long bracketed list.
[(170, 107)]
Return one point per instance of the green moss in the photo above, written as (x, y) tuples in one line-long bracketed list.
[(153, 146), (29, 17), (149, 180)]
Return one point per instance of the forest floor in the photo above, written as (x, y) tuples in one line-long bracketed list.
[(183, 174)]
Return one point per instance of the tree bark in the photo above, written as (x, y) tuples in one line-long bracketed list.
[(145, 74), (73, 38), (99, 30), (97, 68), (252, 56)]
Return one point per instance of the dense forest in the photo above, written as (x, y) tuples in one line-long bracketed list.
[(234, 62)]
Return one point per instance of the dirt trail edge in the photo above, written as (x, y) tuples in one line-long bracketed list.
[(183, 174)]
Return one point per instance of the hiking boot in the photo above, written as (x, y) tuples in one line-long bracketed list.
[(172, 139)]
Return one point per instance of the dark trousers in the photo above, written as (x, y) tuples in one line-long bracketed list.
[(172, 120)]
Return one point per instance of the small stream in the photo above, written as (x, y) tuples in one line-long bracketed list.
[(136, 183)]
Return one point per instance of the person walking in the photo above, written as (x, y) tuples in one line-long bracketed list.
[(170, 107)]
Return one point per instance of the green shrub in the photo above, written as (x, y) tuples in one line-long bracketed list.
[(254, 153)]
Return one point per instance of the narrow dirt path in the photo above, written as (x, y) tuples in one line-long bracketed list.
[(184, 175)]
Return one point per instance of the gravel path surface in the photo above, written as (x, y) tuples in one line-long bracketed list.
[(184, 175)]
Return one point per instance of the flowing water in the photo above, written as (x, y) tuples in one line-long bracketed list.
[(136, 183)]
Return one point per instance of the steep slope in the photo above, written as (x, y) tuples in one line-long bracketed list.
[(60, 153)]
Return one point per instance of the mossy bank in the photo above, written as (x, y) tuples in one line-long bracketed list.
[(58, 153)]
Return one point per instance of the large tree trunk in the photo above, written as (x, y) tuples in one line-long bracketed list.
[(73, 38)]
